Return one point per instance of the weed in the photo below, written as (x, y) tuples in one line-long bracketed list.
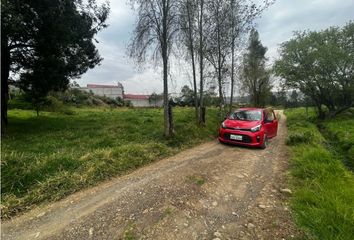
[(129, 233), (197, 180), (168, 211)]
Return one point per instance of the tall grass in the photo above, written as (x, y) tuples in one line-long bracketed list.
[(48, 157), (340, 134), (323, 200)]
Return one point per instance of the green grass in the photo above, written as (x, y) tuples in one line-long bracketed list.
[(340, 134), (48, 157), (323, 200)]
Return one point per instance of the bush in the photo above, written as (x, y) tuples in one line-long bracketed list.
[(52, 104), (19, 102)]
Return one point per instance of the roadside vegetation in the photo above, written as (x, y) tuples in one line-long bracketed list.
[(323, 200), (48, 157), (339, 133)]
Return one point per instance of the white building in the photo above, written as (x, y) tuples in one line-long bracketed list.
[(115, 91), (111, 91), (138, 100)]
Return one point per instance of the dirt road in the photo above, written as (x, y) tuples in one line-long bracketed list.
[(212, 191)]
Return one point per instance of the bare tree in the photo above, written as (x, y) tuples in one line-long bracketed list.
[(218, 42), (201, 49), (157, 27), (242, 14), (188, 27)]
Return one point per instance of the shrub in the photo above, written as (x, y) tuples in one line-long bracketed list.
[(19, 102)]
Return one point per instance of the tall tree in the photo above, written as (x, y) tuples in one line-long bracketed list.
[(188, 27), (218, 42), (321, 65), (201, 49), (187, 96), (44, 43), (157, 27), (255, 79), (242, 14)]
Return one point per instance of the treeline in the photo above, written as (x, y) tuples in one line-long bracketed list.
[(45, 44), (282, 99), (321, 66)]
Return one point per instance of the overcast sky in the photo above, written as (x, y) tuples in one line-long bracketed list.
[(275, 26)]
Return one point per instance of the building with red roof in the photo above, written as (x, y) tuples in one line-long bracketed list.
[(140, 100)]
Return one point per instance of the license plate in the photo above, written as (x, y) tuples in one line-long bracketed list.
[(236, 137)]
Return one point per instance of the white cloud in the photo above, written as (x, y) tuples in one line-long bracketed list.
[(275, 26), (284, 17)]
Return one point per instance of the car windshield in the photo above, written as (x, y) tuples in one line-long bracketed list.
[(246, 115)]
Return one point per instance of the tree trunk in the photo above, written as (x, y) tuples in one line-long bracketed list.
[(168, 121), (232, 54), (201, 120), (221, 98), (232, 74), (191, 47), (5, 71), (168, 130), (321, 114)]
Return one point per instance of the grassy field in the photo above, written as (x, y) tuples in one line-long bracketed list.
[(323, 200), (48, 157)]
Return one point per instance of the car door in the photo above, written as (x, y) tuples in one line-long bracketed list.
[(275, 124), (270, 123)]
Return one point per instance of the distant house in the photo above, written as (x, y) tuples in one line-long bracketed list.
[(115, 91), (138, 100), (111, 91)]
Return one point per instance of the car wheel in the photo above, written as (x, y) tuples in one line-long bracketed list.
[(265, 142)]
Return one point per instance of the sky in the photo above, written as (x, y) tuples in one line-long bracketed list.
[(276, 25)]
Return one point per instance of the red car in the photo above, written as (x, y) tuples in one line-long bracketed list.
[(249, 127)]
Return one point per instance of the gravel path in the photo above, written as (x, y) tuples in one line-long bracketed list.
[(212, 191)]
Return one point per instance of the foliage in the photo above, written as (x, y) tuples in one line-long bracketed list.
[(186, 97), (321, 65), (154, 98), (19, 101), (46, 43), (62, 101), (48, 157), (255, 79), (323, 201)]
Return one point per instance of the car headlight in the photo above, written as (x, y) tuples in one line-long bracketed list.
[(256, 128), (223, 125)]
